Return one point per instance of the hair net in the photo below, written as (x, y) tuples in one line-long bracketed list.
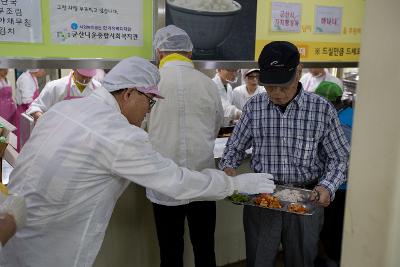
[(172, 38), (87, 72), (131, 72)]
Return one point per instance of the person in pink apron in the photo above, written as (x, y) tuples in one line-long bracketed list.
[(7, 105), (79, 83), (27, 90)]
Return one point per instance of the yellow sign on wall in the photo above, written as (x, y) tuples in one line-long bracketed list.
[(315, 45), (48, 48)]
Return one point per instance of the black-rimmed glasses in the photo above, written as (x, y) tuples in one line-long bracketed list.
[(151, 101)]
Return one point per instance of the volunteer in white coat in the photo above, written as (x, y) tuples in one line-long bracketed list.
[(27, 90), (77, 84), (315, 76), (79, 159), (244, 92), (222, 79), (183, 127)]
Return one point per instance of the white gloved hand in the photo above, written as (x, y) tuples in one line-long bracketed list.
[(254, 183), (15, 205)]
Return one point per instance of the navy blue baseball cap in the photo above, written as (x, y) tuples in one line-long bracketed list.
[(278, 61)]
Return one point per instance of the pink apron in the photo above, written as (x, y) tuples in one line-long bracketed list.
[(68, 88), (7, 105), (22, 108)]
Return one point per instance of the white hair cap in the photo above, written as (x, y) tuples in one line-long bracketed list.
[(131, 72), (33, 70), (172, 38)]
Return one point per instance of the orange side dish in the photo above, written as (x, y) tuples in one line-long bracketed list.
[(266, 200), (299, 208)]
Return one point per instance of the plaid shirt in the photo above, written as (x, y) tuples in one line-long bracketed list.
[(302, 144)]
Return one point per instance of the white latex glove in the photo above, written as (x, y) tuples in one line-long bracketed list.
[(254, 183), (15, 205)]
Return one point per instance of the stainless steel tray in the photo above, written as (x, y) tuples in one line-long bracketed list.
[(300, 196)]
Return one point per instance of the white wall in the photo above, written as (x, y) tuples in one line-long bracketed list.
[(372, 221)]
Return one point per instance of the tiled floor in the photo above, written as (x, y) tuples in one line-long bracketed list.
[(279, 262), (237, 264)]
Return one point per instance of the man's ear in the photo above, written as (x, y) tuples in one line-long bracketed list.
[(160, 54), (300, 68), (127, 93)]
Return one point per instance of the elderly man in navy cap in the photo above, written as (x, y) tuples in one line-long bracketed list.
[(296, 137)]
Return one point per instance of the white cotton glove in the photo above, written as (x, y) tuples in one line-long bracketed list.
[(15, 205), (254, 183)]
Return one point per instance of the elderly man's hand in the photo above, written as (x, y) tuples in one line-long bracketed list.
[(321, 196), (36, 115), (230, 171), (8, 227)]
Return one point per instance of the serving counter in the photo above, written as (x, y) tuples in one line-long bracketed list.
[(131, 238)]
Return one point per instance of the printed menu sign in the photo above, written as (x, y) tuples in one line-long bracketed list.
[(328, 19), (100, 22), (285, 17), (20, 21)]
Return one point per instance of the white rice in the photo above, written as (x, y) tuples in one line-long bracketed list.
[(289, 195), (206, 5)]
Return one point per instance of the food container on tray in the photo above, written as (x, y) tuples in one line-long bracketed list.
[(300, 197)]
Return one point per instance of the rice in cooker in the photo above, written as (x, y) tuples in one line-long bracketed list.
[(206, 5)]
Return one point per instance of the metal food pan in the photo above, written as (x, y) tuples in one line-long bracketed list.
[(305, 202)]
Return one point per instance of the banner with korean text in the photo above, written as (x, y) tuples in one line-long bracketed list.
[(323, 30), (20, 21), (81, 29)]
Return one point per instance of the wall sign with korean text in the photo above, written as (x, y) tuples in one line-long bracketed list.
[(285, 17), (328, 31), (328, 19), (100, 22), (78, 29), (20, 21)]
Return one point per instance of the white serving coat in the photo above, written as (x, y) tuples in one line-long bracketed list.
[(26, 86), (79, 159), (184, 125), (230, 110), (55, 91), (240, 95), (310, 82)]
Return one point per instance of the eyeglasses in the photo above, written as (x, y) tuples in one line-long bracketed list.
[(151, 101), (251, 77)]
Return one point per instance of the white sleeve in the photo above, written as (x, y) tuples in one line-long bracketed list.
[(236, 97), (220, 111), (229, 109), (219, 122), (46, 99), (138, 162), (25, 89)]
